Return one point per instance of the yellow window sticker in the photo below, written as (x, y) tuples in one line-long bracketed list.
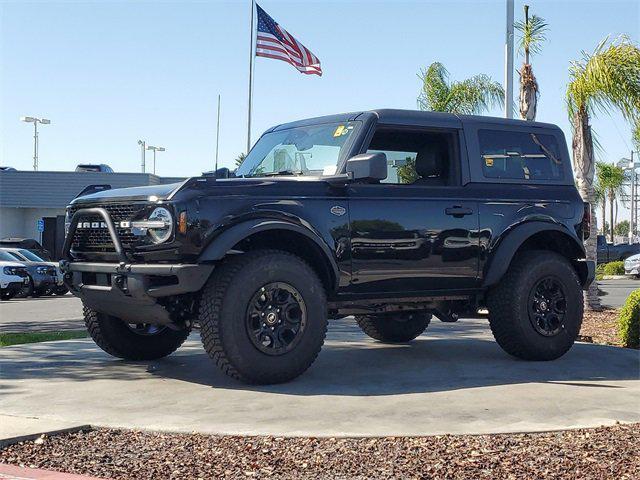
[(488, 161), (338, 131)]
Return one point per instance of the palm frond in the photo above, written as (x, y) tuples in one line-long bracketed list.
[(608, 78), (532, 34), (635, 136), (435, 88), (475, 95)]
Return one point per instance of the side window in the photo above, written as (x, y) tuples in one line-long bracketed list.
[(520, 155), (417, 157)]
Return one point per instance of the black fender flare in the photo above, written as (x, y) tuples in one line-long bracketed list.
[(511, 241), (225, 241)]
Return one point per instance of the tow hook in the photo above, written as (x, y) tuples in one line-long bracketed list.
[(120, 281), (447, 317)]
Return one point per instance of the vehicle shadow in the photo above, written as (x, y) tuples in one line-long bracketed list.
[(448, 357)]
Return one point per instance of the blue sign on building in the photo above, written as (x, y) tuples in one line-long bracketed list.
[(40, 224)]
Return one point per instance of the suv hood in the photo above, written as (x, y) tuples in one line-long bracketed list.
[(162, 192)]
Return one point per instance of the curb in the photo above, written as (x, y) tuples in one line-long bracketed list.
[(13, 472), (5, 442), (614, 277)]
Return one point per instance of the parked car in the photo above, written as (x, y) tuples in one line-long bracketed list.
[(632, 266), (94, 167), (13, 277), (609, 252), (45, 276), (28, 244), (322, 220)]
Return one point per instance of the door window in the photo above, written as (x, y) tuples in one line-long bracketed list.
[(417, 157)]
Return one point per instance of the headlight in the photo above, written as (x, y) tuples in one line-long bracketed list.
[(10, 270), (42, 270), (160, 225)]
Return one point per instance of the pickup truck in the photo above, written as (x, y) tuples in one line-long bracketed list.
[(609, 252)]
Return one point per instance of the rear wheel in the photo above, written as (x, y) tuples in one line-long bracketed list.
[(8, 295), (263, 316), (394, 328), (535, 312), (132, 341)]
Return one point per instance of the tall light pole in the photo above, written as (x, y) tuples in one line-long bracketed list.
[(155, 149), (508, 62), (35, 121), (143, 147)]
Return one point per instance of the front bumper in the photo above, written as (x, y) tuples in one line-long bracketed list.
[(13, 286), (131, 292)]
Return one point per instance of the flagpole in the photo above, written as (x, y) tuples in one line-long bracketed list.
[(251, 60), (218, 132)]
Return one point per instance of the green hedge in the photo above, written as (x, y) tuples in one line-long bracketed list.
[(629, 321), (613, 268)]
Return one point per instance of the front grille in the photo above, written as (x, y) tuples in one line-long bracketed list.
[(98, 239)]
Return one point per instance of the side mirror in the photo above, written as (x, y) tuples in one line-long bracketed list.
[(368, 166), (222, 173)]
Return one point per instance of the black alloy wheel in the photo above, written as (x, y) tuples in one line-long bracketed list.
[(276, 318), (547, 307)]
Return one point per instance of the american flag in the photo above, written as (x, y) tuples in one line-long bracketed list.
[(273, 41)]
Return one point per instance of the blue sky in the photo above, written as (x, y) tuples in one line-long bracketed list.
[(110, 72)]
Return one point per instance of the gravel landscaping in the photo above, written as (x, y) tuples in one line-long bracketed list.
[(601, 327), (600, 453)]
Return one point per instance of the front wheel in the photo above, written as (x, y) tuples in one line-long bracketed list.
[(394, 328), (263, 316), (535, 312), (132, 341), (8, 295)]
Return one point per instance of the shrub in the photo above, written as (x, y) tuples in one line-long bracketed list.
[(613, 268), (629, 321)]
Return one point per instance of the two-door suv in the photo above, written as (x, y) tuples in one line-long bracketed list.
[(392, 216)]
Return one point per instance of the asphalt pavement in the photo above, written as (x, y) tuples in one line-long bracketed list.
[(65, 313), (616, 292)]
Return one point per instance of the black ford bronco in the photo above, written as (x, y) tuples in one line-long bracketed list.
[(391, 216)]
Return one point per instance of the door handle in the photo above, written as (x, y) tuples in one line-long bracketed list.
[(458, 211)]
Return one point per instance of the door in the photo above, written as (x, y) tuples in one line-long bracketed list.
[(416, 231)]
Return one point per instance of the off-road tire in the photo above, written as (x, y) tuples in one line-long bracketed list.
[(509, 311), (4, 296), (394, 328), (116, 338), (223, 308)]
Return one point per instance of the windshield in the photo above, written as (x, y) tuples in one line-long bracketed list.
[(29, 255), (6, 257), (311, 150)]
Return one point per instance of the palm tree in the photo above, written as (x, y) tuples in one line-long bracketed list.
[(472, 96), (610, 182), (607, 78), (532, 32)]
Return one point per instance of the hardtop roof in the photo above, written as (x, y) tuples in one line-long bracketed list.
[(394, 116)]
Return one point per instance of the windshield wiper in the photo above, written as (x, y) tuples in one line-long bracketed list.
[(279, 173)]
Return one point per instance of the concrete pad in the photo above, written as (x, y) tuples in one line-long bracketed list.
[(453, 379), (14, 428)]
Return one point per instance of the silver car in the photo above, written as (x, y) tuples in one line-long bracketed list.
[(46, 277), (632, 266)]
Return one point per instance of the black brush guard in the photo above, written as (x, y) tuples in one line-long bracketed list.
[(129, 291)]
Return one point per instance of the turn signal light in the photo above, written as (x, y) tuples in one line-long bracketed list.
[(182, 222)]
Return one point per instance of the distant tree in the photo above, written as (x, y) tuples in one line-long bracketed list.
[(611, 180), (240, 158), (474, 95), (532, 36), (622, 228)]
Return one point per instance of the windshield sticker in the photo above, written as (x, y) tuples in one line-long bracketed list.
[(339, 131)]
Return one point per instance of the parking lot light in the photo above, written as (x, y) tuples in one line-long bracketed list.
[(155, 149), (35, 121)]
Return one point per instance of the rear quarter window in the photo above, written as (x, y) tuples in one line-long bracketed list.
[(525, 156)]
